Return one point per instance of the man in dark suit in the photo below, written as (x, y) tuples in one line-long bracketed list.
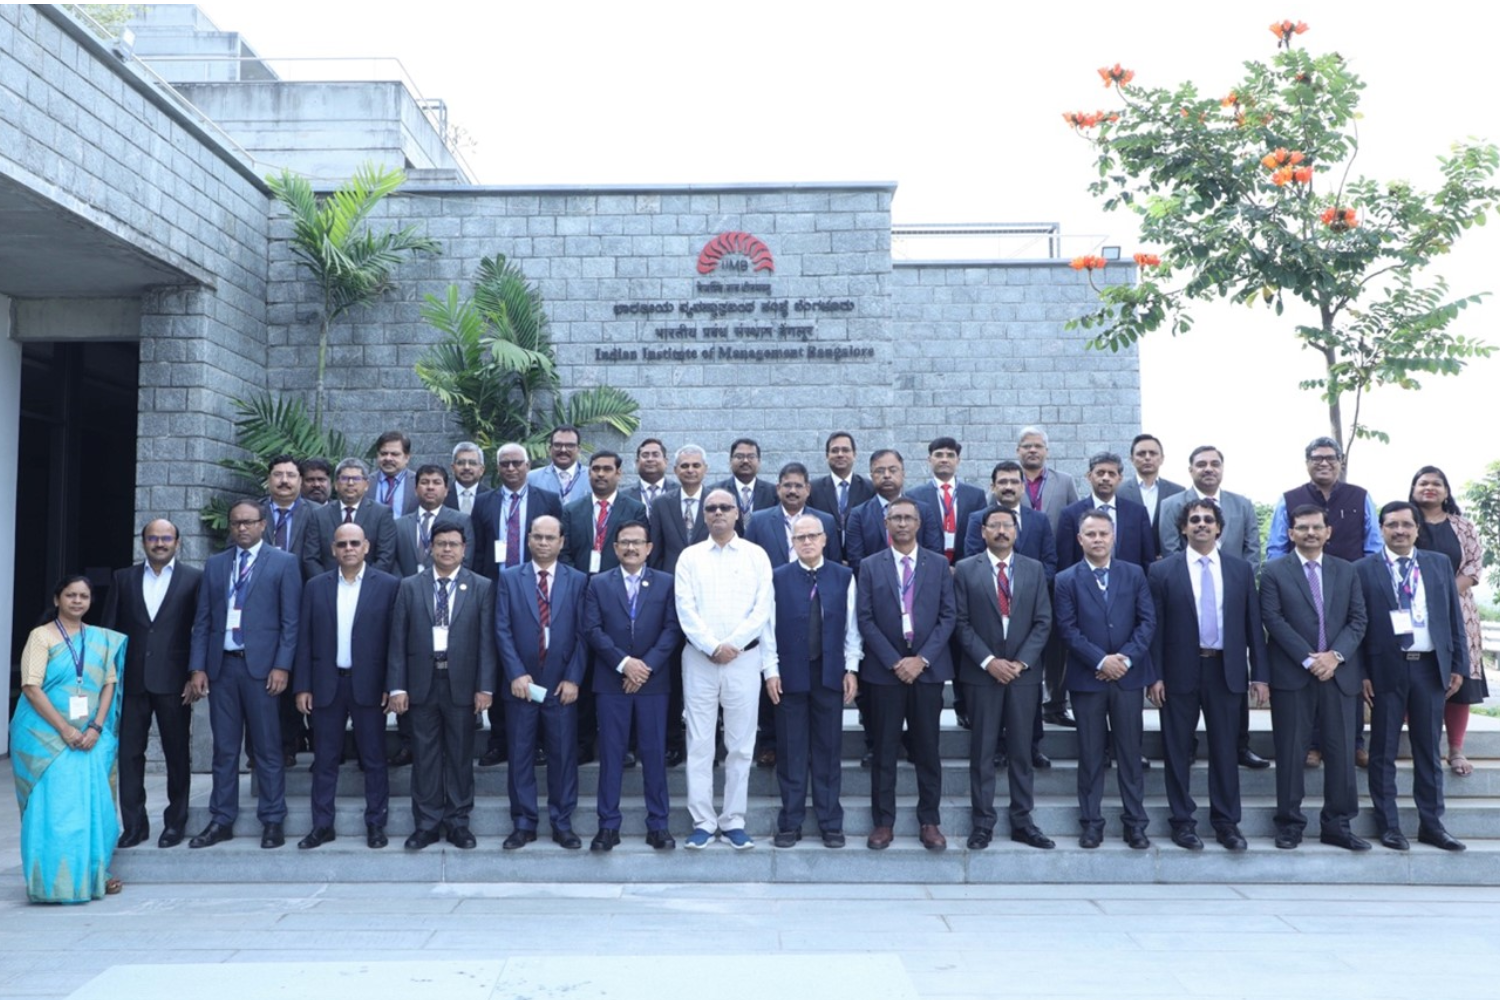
[(1147, 487), (154, 603), (1004, 615), (590, 522), (1106, 618), (395, 487), (339, 677), (1208, 642), (630, 619), (677, 523), (244, 642), (906, 617), (749, 491), (1314, 613), (441, 666), (468, 479), (954, 502), (543, 652), (414, 530), (287, 516), (812, 672), (843, 489), (771, 528), (351, 505), (1416, 656), (651, 474), (1135, 542), (865, 533), (317, 481)]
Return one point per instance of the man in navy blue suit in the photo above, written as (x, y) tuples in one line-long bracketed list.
[(539, 625), (1106, 618), (589, 523), (343, 635), (812, 672), (906, 617), (630, 619), (244, 644), (1135, 540), (1208, 643), (865, 534), (1416, 657), (771, 528), (954, 502)]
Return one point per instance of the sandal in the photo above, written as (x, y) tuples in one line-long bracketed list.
[(113, 887), (1460, 765)]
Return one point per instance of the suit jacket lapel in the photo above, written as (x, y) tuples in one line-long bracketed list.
[(138, 599), (528, 585)]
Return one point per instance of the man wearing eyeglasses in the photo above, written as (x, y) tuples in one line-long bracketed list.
[(468, 479), (351, 505), (563, 476)]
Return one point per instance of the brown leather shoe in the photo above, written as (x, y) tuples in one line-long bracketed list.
[(932, 838), (1314, 758), (880, 838), (1361, 757)]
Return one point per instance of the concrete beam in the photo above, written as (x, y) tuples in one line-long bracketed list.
[(77, 319)]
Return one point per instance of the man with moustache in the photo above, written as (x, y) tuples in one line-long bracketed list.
[(843, 489), (352, 481), (866, 531), (317, 480), (1048, 491), (677, 522), (287, 516), (563, 475), (1134, 540), (750, 492), (651, 474), (394, 487), (468, 479), (414, 530)]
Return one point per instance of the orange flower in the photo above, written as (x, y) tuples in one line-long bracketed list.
[(1116, 75), (1230, 100), (1148, 260), (1086, 119), (1088, 263), (1302, 175), (1282, 177), (1340, 220), (1284, 30)]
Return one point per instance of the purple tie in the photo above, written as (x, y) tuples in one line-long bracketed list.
[(513, 532), (1315, 581), (1208, 607), (906, 591)]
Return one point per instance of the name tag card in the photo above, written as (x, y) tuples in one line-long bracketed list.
[(440, 638), (233, 620), (500, 553), (906, 623), (537, 693), (594, 558), (1401, 622), (78, 706), (948, 538)]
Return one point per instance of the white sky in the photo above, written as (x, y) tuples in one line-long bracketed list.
[(960, 104)]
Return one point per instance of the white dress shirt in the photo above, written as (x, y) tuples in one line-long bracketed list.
[(348, 600), (154, 586), (724, 594)]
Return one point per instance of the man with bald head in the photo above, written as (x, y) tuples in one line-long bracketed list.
[(153, 604)]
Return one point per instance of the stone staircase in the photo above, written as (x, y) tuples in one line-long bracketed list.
[(1473, 816)]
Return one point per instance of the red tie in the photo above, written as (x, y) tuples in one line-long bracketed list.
[(599, 525), (950, 518), (544, 611), (1002, 589)]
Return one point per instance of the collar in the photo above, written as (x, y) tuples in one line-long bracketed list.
[(899, 555), (1193, 555), (837, 479), (1008, 561), (1391, 556), (814, 568), (550, 570), (733, 545), (436, 576), (1089, 563), (164, 570), (358, 577), (692, 496), (254, 550), (596, 501), (1304, 560), (1100, 502)]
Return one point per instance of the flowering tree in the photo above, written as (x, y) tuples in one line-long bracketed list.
[(1250, 197)]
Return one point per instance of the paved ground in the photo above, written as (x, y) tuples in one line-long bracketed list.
[(412, 941)]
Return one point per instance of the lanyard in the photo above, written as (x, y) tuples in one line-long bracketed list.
[(76, 654)]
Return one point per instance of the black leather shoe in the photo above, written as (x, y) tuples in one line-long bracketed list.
[(1254, 761), (629, 759), (675, 756), (979, 838), (375, 836), (604, 841), (319, 836), (131, 837), (1032, 837), (421, 839), (518, 839), (1145, 764), (1002, 762), (1137, 840), (585, 754), (461, 838), (1090, 839), (786, 838), (492, 757), (539, 759), (660, 840), (765, 757), (1231, 839), (963, 720), (866, 758), (1344, 839), (833, 839), (1287, 841), (214, 833), (1441, 839), (1187, 839), (170, 837), (566, 839), (401, 758), (1061, 718), (271, 836), (1395, 840), (289, 761), (1040, 761)]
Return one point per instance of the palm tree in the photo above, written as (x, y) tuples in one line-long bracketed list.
[(497, 370), (350, 263)]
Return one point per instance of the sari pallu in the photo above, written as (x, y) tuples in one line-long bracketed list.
[(69, 820)]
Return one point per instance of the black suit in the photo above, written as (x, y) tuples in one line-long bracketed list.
[(636, 491), (1291, 621), (451, 500), (288, 532), (824, 495), (374, 518), (156, 672), (579, 530), (1410, 686), (1130, 489), (762, 495), (488, 521), (1196, 682)]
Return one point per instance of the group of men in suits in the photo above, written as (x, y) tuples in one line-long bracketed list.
[(591, 618)]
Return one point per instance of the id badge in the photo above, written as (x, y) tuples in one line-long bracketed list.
[(440, 638), (547, 636), (594, 558), (233, 620), (948, 539), (537, 693), (1401, 623), (78, 706), (500, 552), (906, 623)]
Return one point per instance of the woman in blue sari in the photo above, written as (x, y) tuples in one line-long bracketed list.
[(63, 742)]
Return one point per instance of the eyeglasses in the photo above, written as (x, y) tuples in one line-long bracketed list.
[(629, 543), (1202, 519), (564, 445), (902, 518), (245, 524), (351, 480), (744, 456), (799, 539), (448, 544), (347, 544), (511, 463), (717, 508), (468, 462), (1323, 460), (162, 539)]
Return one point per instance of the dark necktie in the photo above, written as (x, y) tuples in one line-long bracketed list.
[(1002, 589), (348, 515), (814, 620), (843, 502), (241, 578), (441, 618), (1102, 577), (1405, 591), (544, 612), (513, 532), (689, 516), (283, 525)]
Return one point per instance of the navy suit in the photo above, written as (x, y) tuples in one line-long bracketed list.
[(1035, 539), (238, 700), (1095, 624), (968, 500), (339, 696), (1195, 683), (518, 629), (488, 523), (865, 534), (762, 495), (890, 701), (648, 633), (1410, 686), (823, 495), (1135, 541), (767, 528), (579, 530)]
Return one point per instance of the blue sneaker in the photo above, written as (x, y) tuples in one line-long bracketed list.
[(739, 840), (699, 839)]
